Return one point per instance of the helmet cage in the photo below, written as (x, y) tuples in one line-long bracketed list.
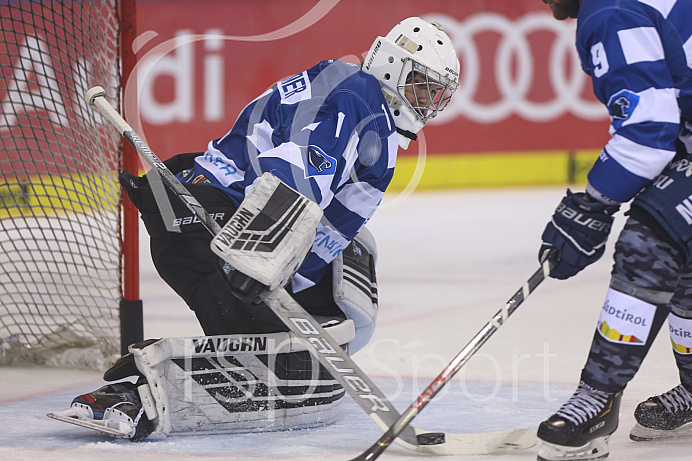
[(429, 90)]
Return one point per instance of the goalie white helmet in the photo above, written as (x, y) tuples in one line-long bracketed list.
[(418, 69)]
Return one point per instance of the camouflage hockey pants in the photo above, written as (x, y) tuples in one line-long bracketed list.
[(652, 272), (651, 278)]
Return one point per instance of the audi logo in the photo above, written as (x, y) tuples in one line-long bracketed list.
[(515, 68)]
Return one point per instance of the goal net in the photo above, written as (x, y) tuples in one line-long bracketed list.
[(60, 233)]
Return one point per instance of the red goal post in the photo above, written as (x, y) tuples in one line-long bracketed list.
[(69, 276)]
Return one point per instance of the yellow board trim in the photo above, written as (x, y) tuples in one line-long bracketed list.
[(49, 195), (451, 171)]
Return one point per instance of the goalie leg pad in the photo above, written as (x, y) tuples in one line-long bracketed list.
[(239, 383), (355, 286)]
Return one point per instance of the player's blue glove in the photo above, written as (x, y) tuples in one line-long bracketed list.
[(578, 231)]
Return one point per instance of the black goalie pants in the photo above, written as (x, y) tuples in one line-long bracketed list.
[(180, 251)]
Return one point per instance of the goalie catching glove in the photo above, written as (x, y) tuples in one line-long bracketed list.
[(578, 230)]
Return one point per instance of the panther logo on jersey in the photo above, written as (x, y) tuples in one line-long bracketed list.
[(621, 107), (318, 162)]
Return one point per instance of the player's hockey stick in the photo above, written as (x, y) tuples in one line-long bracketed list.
[(459, 361), (330, 354)]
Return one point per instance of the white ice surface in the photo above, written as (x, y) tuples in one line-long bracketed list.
[(448, 261)]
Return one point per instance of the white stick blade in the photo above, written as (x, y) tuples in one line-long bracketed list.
[(483, 443)]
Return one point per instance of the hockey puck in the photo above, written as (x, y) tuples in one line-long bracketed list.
[(431, 438)]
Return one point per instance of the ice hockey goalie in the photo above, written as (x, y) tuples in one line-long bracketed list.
[(243, 381)]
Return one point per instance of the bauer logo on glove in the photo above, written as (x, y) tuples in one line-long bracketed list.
[(582, 218), (578, 231)]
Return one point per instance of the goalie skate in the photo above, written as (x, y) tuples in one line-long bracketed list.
[(80, 417), (114, 409)]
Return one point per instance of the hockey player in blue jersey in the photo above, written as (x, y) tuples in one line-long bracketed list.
[(331, 133), (638, 54)]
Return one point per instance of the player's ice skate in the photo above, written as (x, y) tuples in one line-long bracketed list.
[(580, 429), (664, 416), (114, 409), (594, 450)]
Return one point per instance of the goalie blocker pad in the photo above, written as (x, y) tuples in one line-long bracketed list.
[(270, 234), (238, 383), (355, 286)]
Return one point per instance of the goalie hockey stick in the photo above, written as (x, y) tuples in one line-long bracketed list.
[(459, 361), (329, 353)]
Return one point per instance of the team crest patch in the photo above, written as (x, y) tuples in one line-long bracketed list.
[(318, 163), (621, 106), (625, 319), (201, 179)]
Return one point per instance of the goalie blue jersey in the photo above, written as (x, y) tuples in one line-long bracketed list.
[(639, 56), (326, 132)]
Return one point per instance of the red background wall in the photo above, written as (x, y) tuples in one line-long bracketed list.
[(265, 40), (201, 61)]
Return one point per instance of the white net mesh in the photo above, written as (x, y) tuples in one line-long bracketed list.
[(59, 197)]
